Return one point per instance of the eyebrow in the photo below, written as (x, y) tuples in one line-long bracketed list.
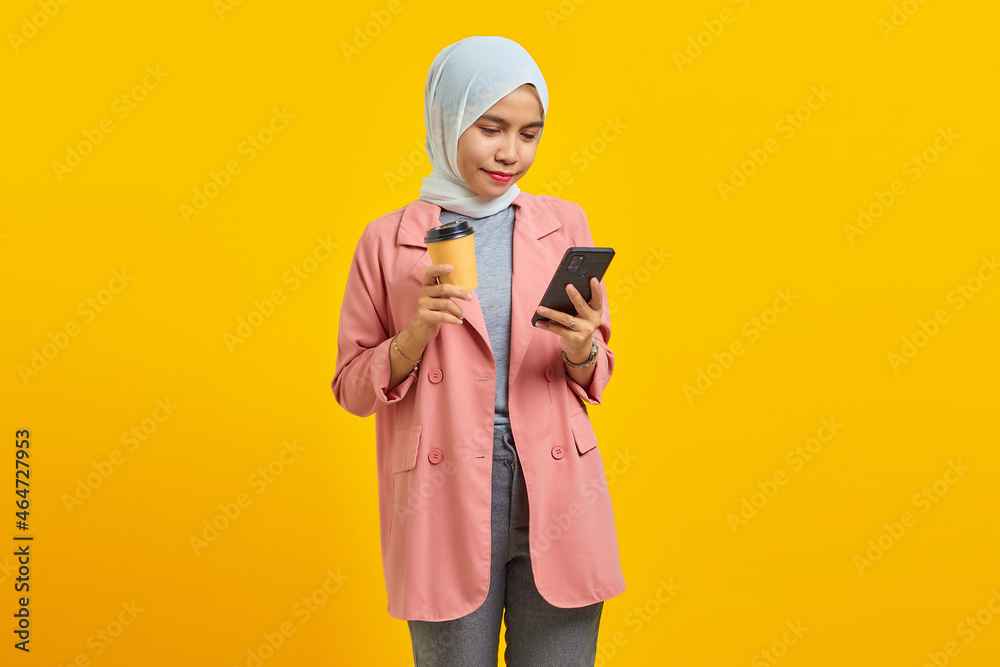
[(501, 121)]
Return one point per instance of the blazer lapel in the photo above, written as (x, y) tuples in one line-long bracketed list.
[(532, 263), (418, 217), (533, 266)]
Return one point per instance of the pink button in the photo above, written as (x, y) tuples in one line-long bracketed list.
[(435, 456), (558, 452), (550, 373), (435, 375)]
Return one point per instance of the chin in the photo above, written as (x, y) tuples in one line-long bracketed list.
[(498, 192)]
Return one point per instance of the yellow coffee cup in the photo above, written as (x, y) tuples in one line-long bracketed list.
[(453, 243)]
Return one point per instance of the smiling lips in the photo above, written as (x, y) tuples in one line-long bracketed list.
[(499, 176)]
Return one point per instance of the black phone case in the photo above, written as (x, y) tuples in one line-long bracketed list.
[(595, 263)]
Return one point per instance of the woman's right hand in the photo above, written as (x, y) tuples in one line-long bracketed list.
[(435, 305)]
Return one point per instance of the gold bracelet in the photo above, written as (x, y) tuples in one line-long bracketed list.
[(415, 363)]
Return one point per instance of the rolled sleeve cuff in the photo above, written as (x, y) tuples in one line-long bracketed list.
[(382, 372), (602, 373)]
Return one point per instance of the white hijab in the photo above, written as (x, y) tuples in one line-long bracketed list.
[(464, 81)]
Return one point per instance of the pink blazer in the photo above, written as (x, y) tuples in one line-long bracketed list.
[(434, 431)]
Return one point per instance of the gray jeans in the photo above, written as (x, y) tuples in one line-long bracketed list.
[(537, 632)]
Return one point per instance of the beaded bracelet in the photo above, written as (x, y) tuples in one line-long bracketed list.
[(589, 362)]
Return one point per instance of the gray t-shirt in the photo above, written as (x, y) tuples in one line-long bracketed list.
[(494, 236)]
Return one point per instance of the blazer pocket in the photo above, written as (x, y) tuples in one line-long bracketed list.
[(404, 448), (583, 432)]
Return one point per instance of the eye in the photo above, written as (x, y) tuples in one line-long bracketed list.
[(490, 130), (529, 136)]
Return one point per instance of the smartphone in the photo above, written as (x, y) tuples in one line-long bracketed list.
[(577, 266)]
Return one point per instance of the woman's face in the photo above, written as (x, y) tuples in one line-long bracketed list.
[(503, 141)]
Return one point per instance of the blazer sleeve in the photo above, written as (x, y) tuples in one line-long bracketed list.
[(605, 357), (363, 367)]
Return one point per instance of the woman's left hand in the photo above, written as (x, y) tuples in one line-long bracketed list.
[(576, 341)]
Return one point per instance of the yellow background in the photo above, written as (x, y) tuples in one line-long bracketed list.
[(354, 151)]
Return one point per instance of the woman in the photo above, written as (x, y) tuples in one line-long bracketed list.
[(479, 415)]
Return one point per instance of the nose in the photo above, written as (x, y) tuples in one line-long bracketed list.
[(507, 150)]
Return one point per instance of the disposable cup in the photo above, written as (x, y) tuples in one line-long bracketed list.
[(453, 243)]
